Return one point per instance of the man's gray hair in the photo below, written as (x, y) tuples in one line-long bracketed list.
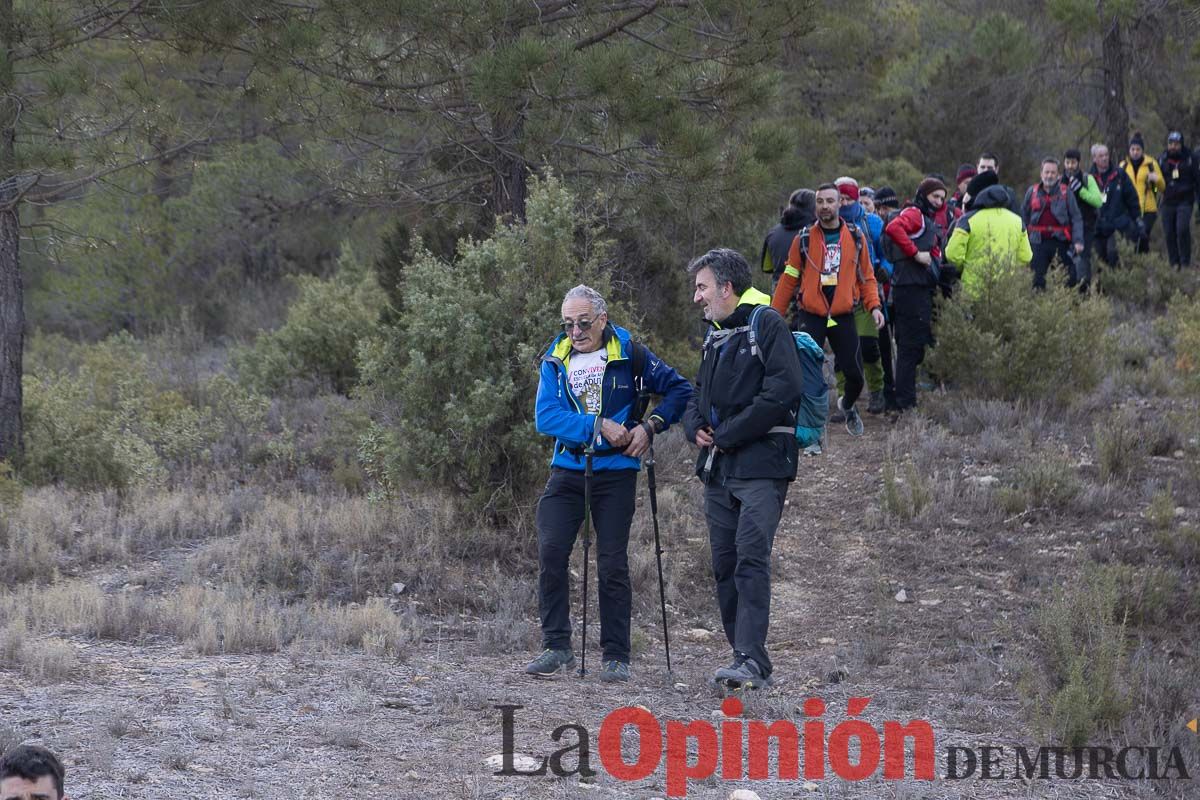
[(728, 266), (1097, 147), (582, 292)]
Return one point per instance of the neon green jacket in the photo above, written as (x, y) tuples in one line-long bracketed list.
[(1089, 192), (987, 239)]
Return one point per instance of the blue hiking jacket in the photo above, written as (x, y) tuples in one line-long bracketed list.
[(559, 414)]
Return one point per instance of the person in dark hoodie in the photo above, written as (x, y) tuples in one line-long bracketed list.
[(1181, 170), (1120, 211), (911, 238), (801, 212)]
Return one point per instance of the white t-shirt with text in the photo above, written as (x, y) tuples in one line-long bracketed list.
[(585, 376)]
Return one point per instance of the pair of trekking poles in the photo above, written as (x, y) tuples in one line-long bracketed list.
[(648, 463)]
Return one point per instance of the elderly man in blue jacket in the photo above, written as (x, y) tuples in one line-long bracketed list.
[(590, 381)]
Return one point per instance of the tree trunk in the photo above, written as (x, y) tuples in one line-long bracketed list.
[(510, 175), (1114, 112), (12, 302)]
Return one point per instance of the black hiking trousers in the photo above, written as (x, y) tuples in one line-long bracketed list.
[(1044, 253), (743, 515), (1177, 228), (912, 307), (843, 340), (559, 517)]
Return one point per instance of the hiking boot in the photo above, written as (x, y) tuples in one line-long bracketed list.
[(854, 423), (614, 671), (813, 449), (876, 405), (550, 662), (743, 673), (734, 666)]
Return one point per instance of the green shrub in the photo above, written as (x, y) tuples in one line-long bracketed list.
[(1082, 684), (10, 488), (1183, 324), (1013, 343), (460, 368), (1143, 280), (318, 340), (104, 418)]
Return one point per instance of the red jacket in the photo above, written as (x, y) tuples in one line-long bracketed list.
[(903, 227)]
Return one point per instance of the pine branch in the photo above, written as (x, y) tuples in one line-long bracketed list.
[(87, 37)]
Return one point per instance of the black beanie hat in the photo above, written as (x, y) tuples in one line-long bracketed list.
[(886, 196), (1138, 140), (982, 181)]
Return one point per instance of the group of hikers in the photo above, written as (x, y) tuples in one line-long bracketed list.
[(853, 271)]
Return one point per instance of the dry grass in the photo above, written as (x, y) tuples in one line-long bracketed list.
[(229, 620), (42, 659)]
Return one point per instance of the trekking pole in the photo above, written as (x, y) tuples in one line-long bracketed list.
[(658, 552), (587, 546)]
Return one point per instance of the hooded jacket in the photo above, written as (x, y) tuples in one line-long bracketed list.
[(988, 239), (1182, 174), (779, 239), (749, 401), (559, 414), (1063, 207)]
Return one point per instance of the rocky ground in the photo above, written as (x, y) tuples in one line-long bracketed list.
[(929, 621)]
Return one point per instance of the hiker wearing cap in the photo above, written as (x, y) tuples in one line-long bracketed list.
[(1055, 226), (590, 380), (828, 273), (887, 206), (1119, 211), (1147, 179), (962, 178), (989, 238), (990, 162), (854, 211), (743, 417), (1088, 198), (912, 241), (1181, 171), (800, 212)]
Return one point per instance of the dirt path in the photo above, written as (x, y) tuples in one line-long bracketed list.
[(154, 721)]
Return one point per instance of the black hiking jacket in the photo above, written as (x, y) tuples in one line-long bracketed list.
[(742, 397)]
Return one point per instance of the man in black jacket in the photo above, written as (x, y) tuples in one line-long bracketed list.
[(1120, 212), (743, 417), (1182, 174)]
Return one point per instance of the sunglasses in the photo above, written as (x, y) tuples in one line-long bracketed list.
[(583, 324)]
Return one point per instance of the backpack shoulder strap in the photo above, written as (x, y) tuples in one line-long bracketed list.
[(753, 333), (804, 235), (638, 355)]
